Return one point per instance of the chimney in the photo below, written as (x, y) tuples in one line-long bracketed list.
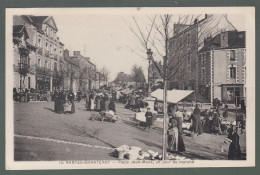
[(87, 58), (196, 21), (224, 39), (66, 54), (76, 53)]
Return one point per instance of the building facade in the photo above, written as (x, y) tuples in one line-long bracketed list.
[(87, 71), (24, 57), (45, 53), (184, 47), (80, 72), (222, 67)]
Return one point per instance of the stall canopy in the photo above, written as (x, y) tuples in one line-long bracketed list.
[(173, 96)]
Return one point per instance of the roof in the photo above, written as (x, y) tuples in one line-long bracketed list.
[(173, 96), (19, 29), (235, 40), (71, 62), (38, 19), (121, 76)]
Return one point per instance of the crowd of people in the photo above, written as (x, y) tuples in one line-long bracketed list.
[(208, 121), (100, 101)]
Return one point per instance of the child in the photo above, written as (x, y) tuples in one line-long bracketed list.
[(67, 107), (173, 135)]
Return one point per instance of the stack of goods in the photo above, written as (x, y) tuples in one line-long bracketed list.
[(136, 153), (176, 157)]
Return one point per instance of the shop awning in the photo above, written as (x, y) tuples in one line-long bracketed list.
[(173, 96)]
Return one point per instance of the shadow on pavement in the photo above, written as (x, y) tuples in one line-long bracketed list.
[(50, 109), (149, 143), (81, 131), (133, 124)]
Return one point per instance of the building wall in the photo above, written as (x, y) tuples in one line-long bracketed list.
[(188, 77), (39, 40)]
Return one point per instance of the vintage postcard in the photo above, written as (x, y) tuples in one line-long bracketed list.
[(99, 88)]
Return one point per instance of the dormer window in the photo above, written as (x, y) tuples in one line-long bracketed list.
[(46, 30)]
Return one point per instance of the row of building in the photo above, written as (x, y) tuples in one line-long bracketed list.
[(211, 59), (41, 63)]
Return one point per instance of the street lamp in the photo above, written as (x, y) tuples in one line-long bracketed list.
[(149, 54)]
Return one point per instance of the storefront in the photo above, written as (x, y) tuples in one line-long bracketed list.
[(232, 93), (42, 82), (55, 84)]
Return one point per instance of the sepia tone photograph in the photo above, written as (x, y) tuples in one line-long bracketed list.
[(130, 87)]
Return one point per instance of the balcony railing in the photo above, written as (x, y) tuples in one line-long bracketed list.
[(23, 68), (43, 70)]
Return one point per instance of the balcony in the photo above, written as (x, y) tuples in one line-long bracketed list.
[(40, 50), (43, 70), (23, 68), (47, 53)]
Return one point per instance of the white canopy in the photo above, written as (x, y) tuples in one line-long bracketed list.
[(173, 96)]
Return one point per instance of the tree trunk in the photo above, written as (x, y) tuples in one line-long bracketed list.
[(164, 119)]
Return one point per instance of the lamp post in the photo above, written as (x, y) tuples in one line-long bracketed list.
[(149, 54)]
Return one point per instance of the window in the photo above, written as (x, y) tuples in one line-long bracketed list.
[(46, 46), (39, 42), (51, 49), (55, 66), (46, 63), (29, 82), (46, 30), (233, 72), (232, 55), (39, 62), (232, 92), (203, 75), (188, 38)]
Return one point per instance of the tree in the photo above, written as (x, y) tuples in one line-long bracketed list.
[(163, 30), (137, 74), (105, 74)]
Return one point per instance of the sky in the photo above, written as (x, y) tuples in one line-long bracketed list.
[(108, 41)]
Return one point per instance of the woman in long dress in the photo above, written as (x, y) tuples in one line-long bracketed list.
[(92, 107), (71, 99), (215, 127), (196, 123), (55, 99), (61, 101), (234, 152), (106, 104), (98, 103), (175, 140)]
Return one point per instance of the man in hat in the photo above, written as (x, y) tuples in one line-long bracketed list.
[(148, 116)]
